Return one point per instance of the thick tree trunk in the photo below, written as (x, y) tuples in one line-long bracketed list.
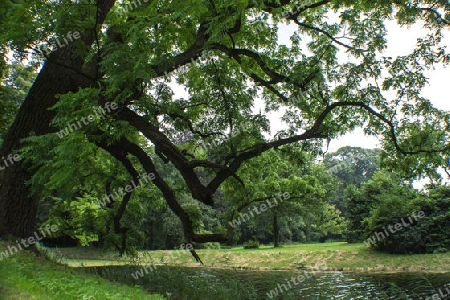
[(62, 73), (17, 209), (276, 232)]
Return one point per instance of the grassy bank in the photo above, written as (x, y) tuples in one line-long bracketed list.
[(334, 256), (25, 276)]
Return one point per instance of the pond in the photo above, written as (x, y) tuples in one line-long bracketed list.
[(207, 283)]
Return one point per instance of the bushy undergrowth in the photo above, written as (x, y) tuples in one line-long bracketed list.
[(252, 244), (209, 245), (428, 234)]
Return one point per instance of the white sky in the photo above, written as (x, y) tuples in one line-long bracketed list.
[(401, 41)]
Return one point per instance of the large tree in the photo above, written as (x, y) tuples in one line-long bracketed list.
[(350, 165), (30, 24), (226, 55)]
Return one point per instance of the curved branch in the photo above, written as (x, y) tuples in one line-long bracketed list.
[(436, 13), (274, 76), (121, 156), (300, 10), (392, 130), (120, 148), (186, 57), (124, 146), (170, 150), (321, 31), (208, 164), (311, 133), (195, 51)]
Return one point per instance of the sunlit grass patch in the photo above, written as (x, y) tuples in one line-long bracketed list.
[(336, 256)]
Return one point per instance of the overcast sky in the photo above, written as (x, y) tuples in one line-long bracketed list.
[(401, 41)]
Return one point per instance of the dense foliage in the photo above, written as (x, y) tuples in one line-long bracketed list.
[(427, 233), (195, 84), (16, 79)]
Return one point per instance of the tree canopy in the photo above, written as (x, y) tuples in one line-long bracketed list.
[(226, 57)]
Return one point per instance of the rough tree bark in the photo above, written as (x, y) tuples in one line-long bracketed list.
[(62, 73)]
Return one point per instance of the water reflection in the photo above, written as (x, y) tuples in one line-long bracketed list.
[(207, 283), (339, 285)]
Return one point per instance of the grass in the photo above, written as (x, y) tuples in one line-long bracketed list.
[(25, 276), (323, 256)]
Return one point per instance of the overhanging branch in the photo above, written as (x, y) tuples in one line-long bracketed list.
[(274, 76), (311, 133), (327, 34), (436, 13), (302, 9)]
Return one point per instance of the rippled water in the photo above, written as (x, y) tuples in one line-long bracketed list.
[(257, 284), (339, 285)]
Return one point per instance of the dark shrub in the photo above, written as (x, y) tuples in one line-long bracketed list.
[(252, 244), (428, 234)]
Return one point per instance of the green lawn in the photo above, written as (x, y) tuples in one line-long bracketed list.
[(25, 276), (335, 256)]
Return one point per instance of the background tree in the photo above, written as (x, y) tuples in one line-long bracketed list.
[(350, 165), (331, 222), (362, 201), (16, 81), (353, 165), (427, 217), (290, 218)]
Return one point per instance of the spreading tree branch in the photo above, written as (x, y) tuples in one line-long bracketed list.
[(327, 34), (302, 9), (436, 13)]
